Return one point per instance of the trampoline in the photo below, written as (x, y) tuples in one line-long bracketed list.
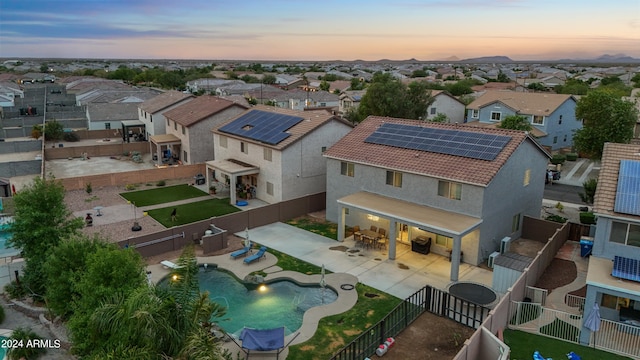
[(473, 292)]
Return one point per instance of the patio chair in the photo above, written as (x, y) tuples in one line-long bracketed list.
[(382, 240), (242, 252), (356, 229), (373, 228), (257, 256)]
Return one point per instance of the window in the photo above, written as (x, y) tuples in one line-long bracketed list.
[(185, 156), (450, 190), (107, 126), (175, 125), (496, 116), (623, 233), (183, 131), (565, 138), (168, 124), (515, 223), (323, 149), (150, 118), (560, 120), (323, 104), (346, 168), (394, 178), (444, 241), (346, 211), (538, 119), (244, 147), (223, 141), (555, 139), (269, 188), (267, 154), (475, 114), (433, 111), (527, 177), (145, 115)]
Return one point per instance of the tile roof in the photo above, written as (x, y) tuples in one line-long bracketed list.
[(112, 111), (457, 168), (163, 101), (312, 120), (494, 125), (524, 103), (198, 109), (605, 197)]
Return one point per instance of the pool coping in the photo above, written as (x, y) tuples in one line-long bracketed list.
[(345, 301)]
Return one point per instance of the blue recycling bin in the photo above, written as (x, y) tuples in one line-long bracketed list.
[(586, 246)]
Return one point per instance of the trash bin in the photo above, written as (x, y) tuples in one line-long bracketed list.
[(586, 246)]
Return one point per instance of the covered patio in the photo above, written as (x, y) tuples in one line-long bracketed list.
[(227, 172), (133, 129), (403, 216), (167, 148)]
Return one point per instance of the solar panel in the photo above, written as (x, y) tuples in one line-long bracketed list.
[(628, 191), (626, 268), (263, 126), (444, 141)]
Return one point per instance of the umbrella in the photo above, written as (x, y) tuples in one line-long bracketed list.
[(247, 242), (592, 321)]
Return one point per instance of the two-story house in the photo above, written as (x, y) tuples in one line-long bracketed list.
[(613, 277), (188, 129), (154, 109), (553, 116), (277, 152), (447, 104), (466, 188), (349, 100)]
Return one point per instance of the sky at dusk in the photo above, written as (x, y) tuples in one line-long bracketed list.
[(319, 30)]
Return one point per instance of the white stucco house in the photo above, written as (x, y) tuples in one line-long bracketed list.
[(151, 112), (447, 104), (277, 152)]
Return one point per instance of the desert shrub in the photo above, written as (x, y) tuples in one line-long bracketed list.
[(161, 183), (558, 159), (2, 315), (70, 136), (88, 188), (15, 290), (572, 157), (588, 218)]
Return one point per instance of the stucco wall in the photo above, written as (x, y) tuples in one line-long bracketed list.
[(448, 106), (554, 128), (604, 248)]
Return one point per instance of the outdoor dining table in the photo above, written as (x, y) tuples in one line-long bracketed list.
[(369, 237)]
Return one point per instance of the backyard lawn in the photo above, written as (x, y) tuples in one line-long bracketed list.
[(192, 212), (523, 345), (163, 195)]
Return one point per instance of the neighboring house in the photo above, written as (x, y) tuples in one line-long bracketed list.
[(613, 281), (552, 115), (151, 112), (350, 99), (299, 100), (209, 85), (188, 129), (401, 175), (276, 151), (445, 103), (110, 115)]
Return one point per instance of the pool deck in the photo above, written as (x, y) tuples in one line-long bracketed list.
[(346, 298)]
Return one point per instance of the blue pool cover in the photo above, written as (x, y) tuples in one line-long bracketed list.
[(262, 340)]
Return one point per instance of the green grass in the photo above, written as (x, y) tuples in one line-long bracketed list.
[(523, 345), (192, 212), (324, 228), (163, 195)]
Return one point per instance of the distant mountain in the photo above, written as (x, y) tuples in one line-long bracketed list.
[(488, 59), (605, 59), (451, 58)]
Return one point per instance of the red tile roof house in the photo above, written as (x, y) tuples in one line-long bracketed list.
[(188, 129), (151, 112), (400, 175)]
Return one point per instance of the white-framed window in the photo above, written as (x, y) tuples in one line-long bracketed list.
[(515, 223), (625, 233), (244, 147), (444, 241), (450, 190), (323, 149), (394, 178), (347, 168), (223, 141), (496, 116), (269, 188), (150, 118), (527, 177), (175, 125), (268, 154), (555, 139), (475, 113), (537, 120), (107, 126), (185, 156)]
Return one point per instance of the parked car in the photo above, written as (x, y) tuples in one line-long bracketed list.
[(556, 175)]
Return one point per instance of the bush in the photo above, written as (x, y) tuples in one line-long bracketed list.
[(556, 218), (15, 290), (70, 136), (2, 315), (25, 352), (129, 187), (88, 188), (572, 157), (558, 159), (161, 183), (588, 218)]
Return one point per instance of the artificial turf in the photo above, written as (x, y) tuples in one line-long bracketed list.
[(162, 195), (192, 212)]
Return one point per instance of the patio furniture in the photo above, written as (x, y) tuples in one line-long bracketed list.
[(369, 237), (256, 256), (382, 241), (242, 252), (169, 264), (373, 228), (421, 244)]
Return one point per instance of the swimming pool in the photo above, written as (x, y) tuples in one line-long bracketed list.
[(5, 222), (281, 303)]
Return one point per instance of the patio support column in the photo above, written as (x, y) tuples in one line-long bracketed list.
[(341, 223), (455, 257), (392, 239), (232, 190)]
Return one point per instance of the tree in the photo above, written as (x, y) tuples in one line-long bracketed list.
[(589, 193), (44, 68), (53, 131), (573, 86), (536, 86), (606, 118), (459, 88), (636, 80), (324, 85), (269, 79), (356, 84), (515, 122), (502, 77), (41, 222), (36, 131), (440, 118)]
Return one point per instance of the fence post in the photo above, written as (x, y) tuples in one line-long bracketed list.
[(382, 331), (405, 311)]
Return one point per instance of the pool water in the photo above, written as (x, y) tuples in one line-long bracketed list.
[(4, 250), (3, 351), (283, 303)]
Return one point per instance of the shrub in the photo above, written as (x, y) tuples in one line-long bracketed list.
[(70, 136), (2, 315), (572, 157), (588, 218), (88, 188), (556, 218), (25, 352), (129, 187), (15, 290), (161, 183), (558, 159)]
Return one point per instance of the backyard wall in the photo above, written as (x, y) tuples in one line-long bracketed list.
[(104, 149)]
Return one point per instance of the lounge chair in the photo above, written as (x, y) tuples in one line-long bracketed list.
[(242, 252), (169, 264), (256, 256)]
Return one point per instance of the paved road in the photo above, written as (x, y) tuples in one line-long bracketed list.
[(563, 193)]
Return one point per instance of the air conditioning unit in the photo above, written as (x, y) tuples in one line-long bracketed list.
[(492, 259), (504, 245)]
